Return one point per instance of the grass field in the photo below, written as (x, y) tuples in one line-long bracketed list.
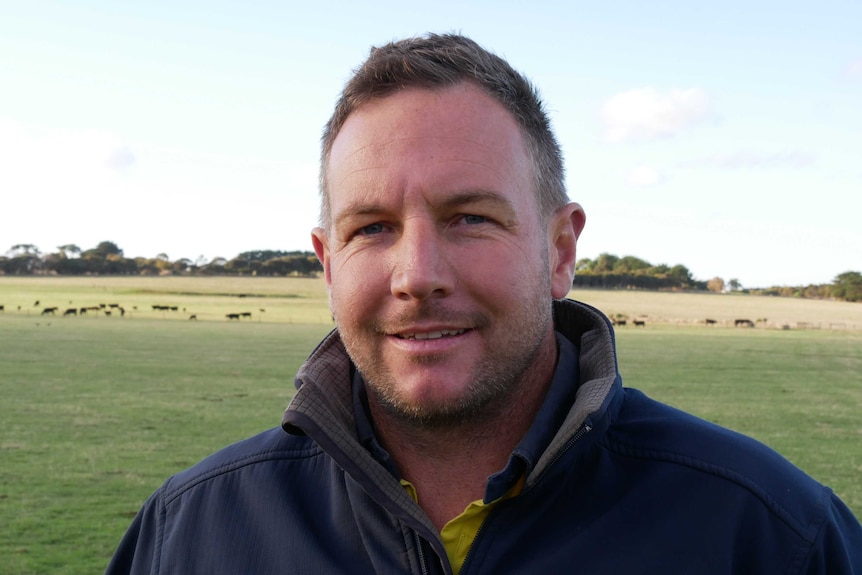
[(98, 410)]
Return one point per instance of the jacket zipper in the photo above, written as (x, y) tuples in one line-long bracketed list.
[(585, 429), (421, 552)]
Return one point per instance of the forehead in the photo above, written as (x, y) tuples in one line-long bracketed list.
[(433, 139)]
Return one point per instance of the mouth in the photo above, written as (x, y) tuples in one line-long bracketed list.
[(430, 334)]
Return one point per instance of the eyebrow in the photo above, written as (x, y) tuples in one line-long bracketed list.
[(361, 208), (477, 197)]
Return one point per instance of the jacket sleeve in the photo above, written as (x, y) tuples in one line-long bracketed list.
[(838, 548), (138, 551)]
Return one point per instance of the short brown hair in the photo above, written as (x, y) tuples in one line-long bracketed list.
[(442, 60)]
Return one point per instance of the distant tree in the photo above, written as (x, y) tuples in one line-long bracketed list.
[(181, 266), (103, 250), (23, 250), (69, 250), (214, 267), (605, 263), (680, 273), (630, 264), (583, 264), (734, 284), (262, 255), (24, 263), (716, 285), (848, 286), (146, 266)]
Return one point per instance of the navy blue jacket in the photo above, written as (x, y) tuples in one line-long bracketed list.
[(627, 485)]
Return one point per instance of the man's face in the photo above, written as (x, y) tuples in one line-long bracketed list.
[(438, 266)]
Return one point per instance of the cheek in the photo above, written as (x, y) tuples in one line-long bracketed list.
[(356, 285)]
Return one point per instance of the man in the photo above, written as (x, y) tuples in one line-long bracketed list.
[(463, 417)]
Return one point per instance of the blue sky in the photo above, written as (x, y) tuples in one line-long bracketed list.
[(723, 136)]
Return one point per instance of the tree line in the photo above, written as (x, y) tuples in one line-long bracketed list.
[(607, 271), (108, 259)]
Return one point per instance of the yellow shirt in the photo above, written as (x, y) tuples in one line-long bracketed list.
[(458, 534)]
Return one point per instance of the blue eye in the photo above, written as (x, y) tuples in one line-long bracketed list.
[(473, 219), (371, 229)]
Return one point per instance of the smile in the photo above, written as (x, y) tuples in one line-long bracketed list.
[(432, 334)]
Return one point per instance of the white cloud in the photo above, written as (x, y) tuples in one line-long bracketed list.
[(749, 159), (647, 114), (36, 158), (854, 69), (644, 176)]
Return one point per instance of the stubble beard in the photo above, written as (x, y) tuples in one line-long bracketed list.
[(494, 384)]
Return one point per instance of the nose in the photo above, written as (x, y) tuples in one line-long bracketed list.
[(420, 264)]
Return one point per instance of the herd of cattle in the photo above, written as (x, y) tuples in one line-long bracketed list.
[(111, 308), (116, 309), (707, 321)]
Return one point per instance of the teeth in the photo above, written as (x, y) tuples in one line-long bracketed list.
[(434, 334)]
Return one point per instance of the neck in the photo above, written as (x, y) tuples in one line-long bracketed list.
[(449, 466)]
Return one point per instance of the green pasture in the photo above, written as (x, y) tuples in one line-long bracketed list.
[(98, 410)]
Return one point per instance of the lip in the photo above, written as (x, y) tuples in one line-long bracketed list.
[(422, 335), (430, 338)]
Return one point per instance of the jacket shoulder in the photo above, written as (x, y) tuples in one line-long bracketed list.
[(266, 447), (647, 429)]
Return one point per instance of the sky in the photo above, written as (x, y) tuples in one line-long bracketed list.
[(723, 136)]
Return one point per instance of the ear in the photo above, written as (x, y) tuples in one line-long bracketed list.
[(565, 227), (320, 240)]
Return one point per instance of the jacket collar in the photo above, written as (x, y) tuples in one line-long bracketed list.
[(323, 407)]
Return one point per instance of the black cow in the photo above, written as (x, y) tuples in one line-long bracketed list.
[(48, 310), (743, 323), (232, 316), (639, 322), (71, 311)]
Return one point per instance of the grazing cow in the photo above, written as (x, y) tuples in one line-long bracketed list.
[(48, 310), (743, 323), (232, 316), (107, 312), (36, 304), (245, 314), (82, 311), (639, 323), (71, 311), (710, 321), (194, 317)]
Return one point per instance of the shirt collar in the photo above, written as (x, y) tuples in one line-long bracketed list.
[(549, 418)]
